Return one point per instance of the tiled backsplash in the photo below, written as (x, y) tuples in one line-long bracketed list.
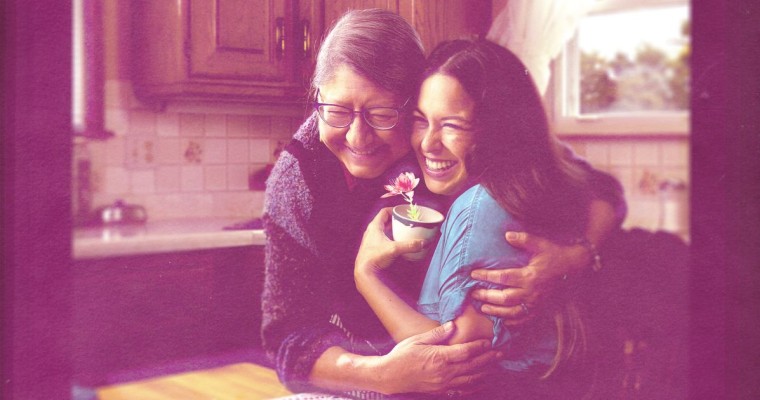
[(197, 161), (184, 162), (641, 165)]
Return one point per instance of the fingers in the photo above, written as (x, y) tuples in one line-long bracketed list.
[(468, 374), (526, 241), (512, 315), (506, 277), (409, 246), (382, 217), (457, 353), (467, 384), (500, 297), (438, 335)]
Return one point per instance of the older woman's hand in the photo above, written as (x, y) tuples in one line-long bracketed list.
[(531, 285), (424, 364), (376, 251)]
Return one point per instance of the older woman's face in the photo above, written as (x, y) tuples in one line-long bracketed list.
[(365, 152), (442, 133)]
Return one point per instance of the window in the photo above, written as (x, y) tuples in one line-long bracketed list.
[(626, 70)]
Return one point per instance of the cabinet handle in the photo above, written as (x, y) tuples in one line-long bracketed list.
[(279, 34), (306, 37)]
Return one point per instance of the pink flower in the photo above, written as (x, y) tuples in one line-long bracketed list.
[(403, 184)]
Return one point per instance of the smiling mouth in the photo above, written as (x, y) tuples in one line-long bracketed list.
[(439, 166), (363, 152)]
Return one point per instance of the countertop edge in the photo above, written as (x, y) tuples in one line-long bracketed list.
[(100, 247)]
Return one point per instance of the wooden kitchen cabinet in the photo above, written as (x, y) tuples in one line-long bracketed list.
[(148, 312), (262, 51), (237, 50)]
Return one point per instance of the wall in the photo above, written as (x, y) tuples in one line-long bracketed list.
[(196, 160), (191, 160)]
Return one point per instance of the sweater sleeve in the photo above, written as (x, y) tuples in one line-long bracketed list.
[(296, 327)]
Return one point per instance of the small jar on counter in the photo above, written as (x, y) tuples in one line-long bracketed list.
[(674, 207)]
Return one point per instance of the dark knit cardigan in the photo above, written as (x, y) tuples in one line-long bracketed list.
[(314, 224)]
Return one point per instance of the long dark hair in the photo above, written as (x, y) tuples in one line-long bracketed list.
[(518, 160), (515, 156)]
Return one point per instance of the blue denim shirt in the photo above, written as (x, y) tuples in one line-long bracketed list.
[(472, 236)]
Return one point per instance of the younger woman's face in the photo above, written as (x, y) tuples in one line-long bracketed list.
[(365, 152), (443, 133)]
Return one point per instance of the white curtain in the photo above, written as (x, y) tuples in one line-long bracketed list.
[(536, 31)]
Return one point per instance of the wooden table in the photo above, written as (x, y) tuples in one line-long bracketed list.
[(242, 381)]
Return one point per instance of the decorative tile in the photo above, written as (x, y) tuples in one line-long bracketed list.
[(114, 150), (237, 150), (621, 153), (259, 150), (216, 125), (646, 153), (142, 122), (260, 126), (167, 124), (215, 151), (178, 205), (115, 180), (675, 153), (281, 127), (238, 204), (193, 152), (168, 151), (215, 177), (237, 177), (191, 125), (140, 152), (168, 179), (597, 153), (647, 182), (143, 181), (237, 126), (117, 121), (191, 178)]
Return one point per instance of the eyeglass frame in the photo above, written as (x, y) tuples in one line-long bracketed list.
[(316, 104)]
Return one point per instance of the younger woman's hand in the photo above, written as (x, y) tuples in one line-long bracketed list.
[(376, 251)]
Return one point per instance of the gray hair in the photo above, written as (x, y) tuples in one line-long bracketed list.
[(376, 44)]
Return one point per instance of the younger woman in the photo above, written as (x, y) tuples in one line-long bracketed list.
[(481, 136)]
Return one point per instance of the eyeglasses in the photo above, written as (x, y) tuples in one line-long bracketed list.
[(382, 118)]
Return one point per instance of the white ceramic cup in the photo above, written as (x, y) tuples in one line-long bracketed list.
[(404, 228)]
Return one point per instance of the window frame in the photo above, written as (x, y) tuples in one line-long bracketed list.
[(563, 96)]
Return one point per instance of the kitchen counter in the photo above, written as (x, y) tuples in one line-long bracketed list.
[(162, 236)]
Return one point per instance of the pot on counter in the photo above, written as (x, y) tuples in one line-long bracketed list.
[(121, 213)]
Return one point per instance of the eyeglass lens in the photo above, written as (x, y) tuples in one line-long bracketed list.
[(341, 117)]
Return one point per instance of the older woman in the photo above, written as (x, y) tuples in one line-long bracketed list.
[(318, 330)]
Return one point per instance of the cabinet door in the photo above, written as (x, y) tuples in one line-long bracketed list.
[(334, 9), (434, 20), (238, 39), (136, 315), (439, 20), (228, 50)]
